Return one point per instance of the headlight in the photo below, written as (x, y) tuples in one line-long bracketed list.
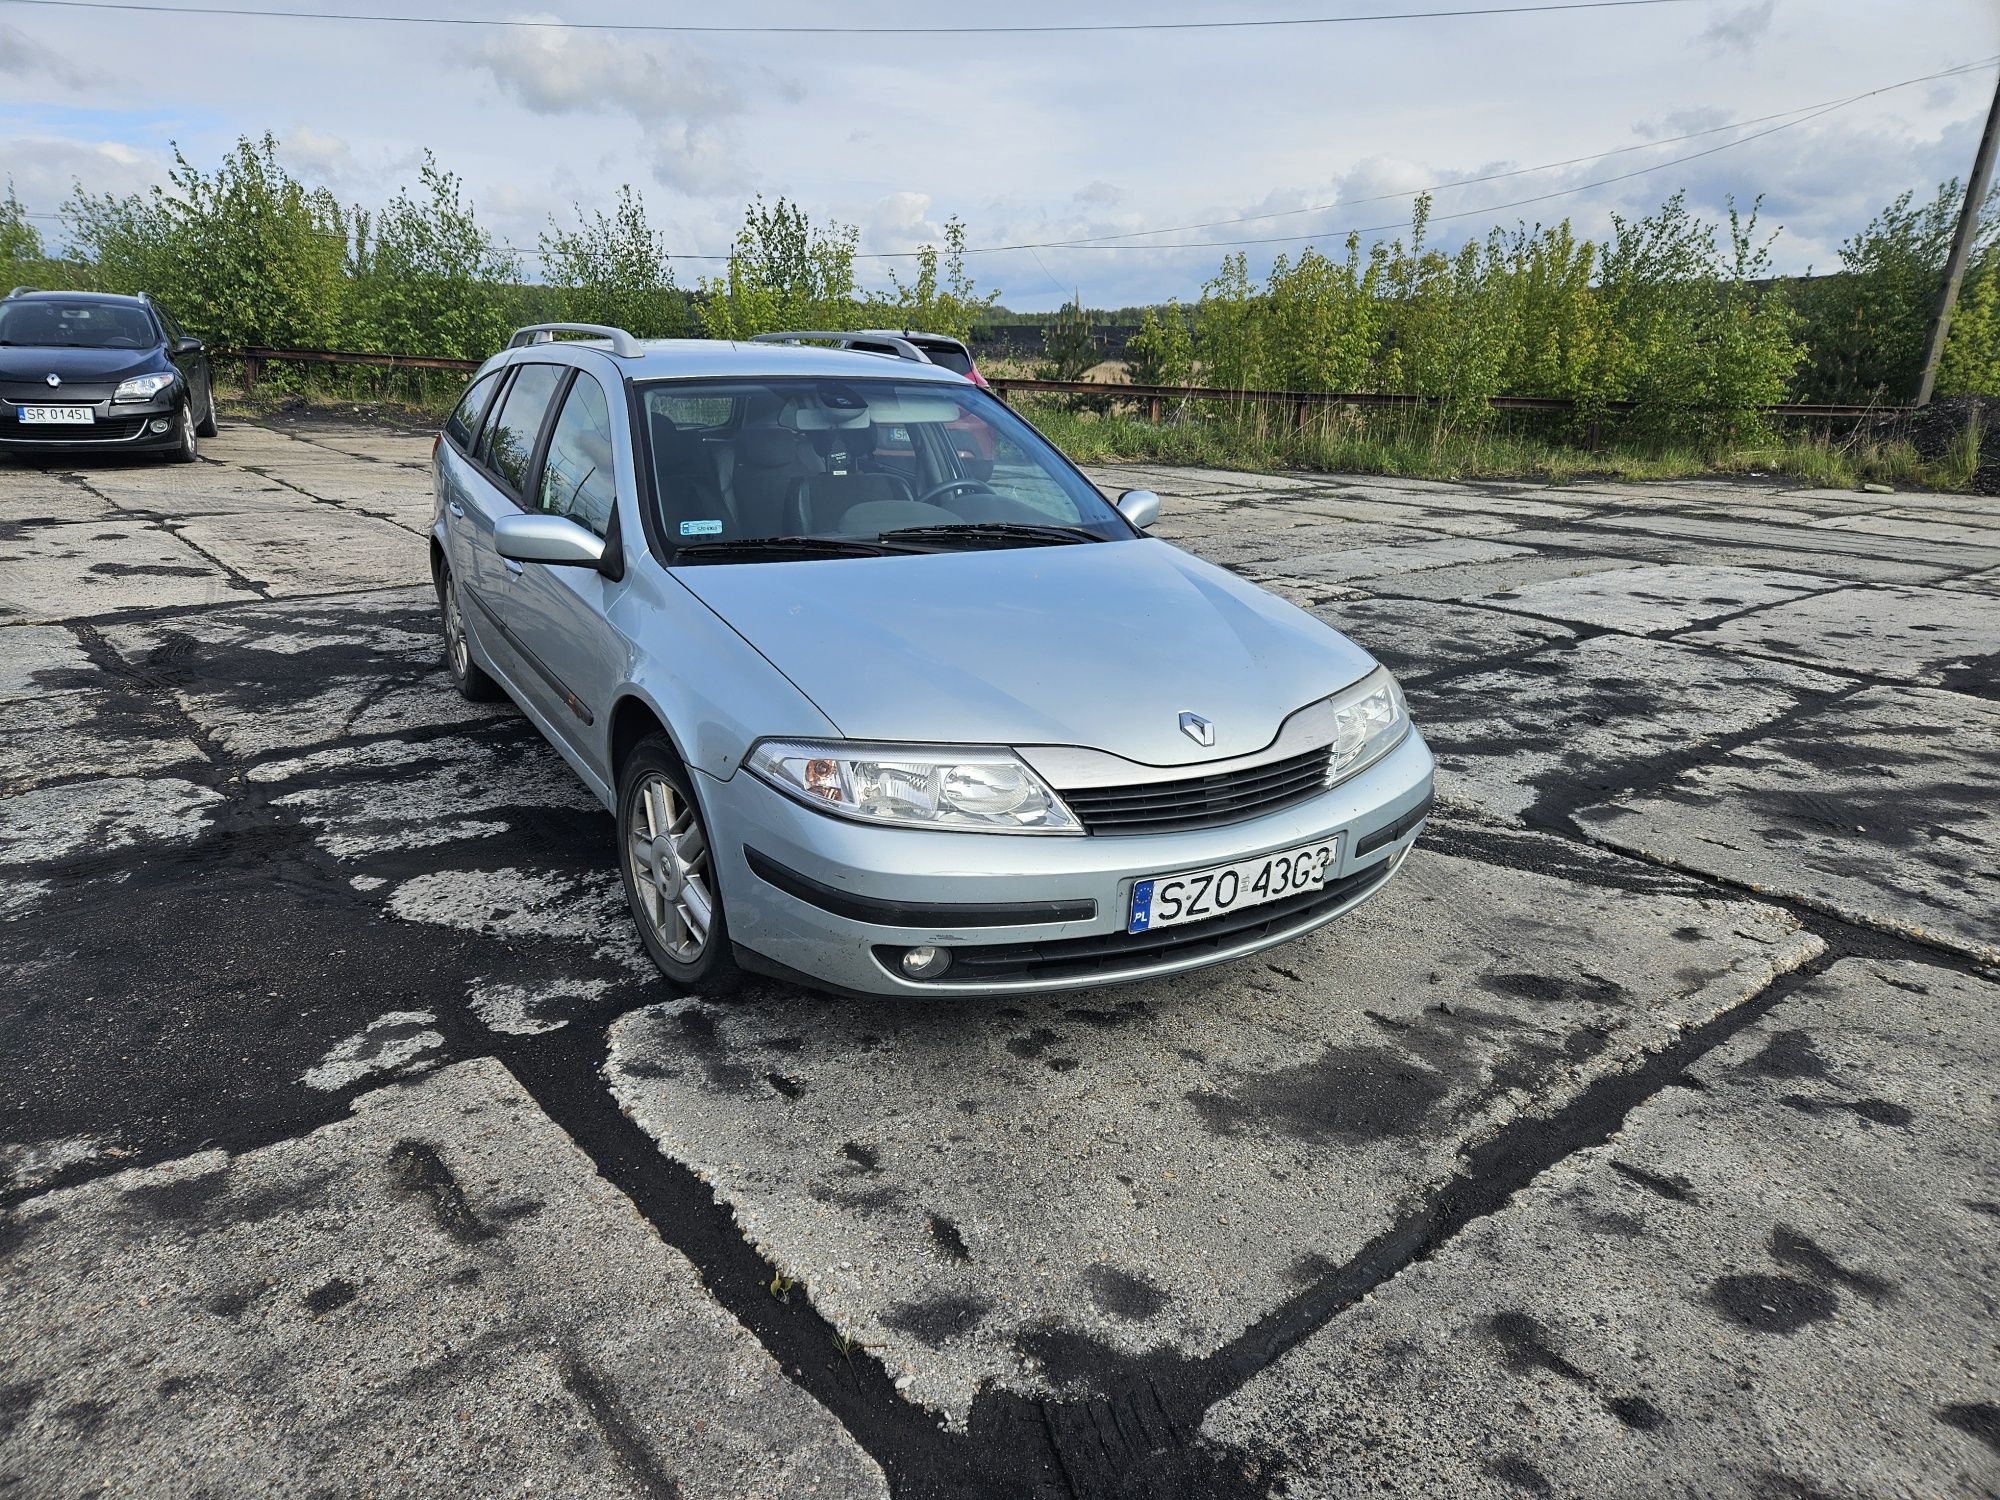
[(142, 387), (917, 786), (1369, 720)]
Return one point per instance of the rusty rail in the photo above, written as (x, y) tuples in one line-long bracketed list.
[(1301, 401), (254, 360), (1005, 386)]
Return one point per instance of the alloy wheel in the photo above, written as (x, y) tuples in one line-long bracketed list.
[(668, 854), (454, 629)]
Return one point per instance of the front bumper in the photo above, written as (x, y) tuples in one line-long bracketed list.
[(119, 427), (815, 897)]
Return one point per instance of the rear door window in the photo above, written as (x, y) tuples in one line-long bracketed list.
[(464, 419), (510, 442)]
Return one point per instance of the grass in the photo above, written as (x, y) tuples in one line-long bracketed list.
[(1416, 446)]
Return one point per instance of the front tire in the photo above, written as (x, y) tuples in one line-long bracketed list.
[(669, 871), (184, 449), (472, 683)]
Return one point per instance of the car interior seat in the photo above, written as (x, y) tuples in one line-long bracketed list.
[(690, 488), (768, 484)]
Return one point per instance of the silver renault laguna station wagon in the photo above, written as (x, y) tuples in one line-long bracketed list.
[(884, 695)]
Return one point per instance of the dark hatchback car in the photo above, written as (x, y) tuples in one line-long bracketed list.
[(90, 372)]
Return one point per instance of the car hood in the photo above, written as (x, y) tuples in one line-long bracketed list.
[(1098, 644), (36, 362)]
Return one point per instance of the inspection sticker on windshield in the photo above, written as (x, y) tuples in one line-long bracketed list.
[(701, 528), (1194, 896)]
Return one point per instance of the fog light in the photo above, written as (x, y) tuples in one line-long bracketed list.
[(159, 424), (926, 963)]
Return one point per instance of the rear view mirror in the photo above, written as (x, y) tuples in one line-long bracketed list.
[(1140, 507), (554, 540), (187, 346)]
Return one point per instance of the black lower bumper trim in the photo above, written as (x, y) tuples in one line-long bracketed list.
[(1382, 837), (886, 913)]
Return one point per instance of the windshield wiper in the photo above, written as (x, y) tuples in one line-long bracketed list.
[(1033, 533), (738, 548)]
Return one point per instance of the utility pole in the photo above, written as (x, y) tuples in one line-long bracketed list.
[(1961, 248)]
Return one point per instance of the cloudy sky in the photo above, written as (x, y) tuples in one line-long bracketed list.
[(1031, 138)]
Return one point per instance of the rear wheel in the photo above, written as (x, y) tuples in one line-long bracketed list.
[(669, 870), (206, 426), (466, 676)]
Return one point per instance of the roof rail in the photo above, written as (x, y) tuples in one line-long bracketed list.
[(20, 289), (903, 347), (622, 343)]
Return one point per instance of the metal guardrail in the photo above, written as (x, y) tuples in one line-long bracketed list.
[(254, 361), (1302, 401), (1155, 396)]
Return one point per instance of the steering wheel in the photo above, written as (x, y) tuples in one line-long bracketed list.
[(954, 484)]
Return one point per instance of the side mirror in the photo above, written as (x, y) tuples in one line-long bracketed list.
[(554, 540), (1140, 507), (187, 346)]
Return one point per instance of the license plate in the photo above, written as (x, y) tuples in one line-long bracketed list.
[(1196, 895), (56, 414)]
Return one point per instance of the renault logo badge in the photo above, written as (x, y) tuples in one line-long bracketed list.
[(54, 379), (1198, 729)]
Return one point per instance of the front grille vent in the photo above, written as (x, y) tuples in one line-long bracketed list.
[(1201, 801)]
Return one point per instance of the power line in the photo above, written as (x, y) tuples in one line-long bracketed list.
[(651, 28), (1093, 240), (1805, 114), (1492, 208)]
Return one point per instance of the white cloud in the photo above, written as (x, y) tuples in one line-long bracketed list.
[(1740, 29), (682, 103), (21, 56), (901, 221), (557, 70), (44, 169)]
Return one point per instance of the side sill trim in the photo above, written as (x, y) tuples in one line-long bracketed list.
[(575, 704)]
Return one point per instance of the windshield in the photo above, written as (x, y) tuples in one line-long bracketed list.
[(56, 323), (848, 467)]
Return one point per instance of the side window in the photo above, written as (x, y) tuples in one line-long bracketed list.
[(579, 480), (510, 442), (464, 419)]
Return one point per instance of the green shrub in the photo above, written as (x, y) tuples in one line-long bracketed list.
[(1162, 351), (247, 256), (942, 297), (613, 268), (428, 278), (783, 273)]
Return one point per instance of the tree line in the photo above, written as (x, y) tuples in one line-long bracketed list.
[(250, 256), (1677, 313)]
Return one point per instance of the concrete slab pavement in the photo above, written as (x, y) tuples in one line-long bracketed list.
[(258, 861), (1805, 1229), (389, 1305)]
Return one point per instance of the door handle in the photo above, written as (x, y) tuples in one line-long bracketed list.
[(455, 508), (512, 566)]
